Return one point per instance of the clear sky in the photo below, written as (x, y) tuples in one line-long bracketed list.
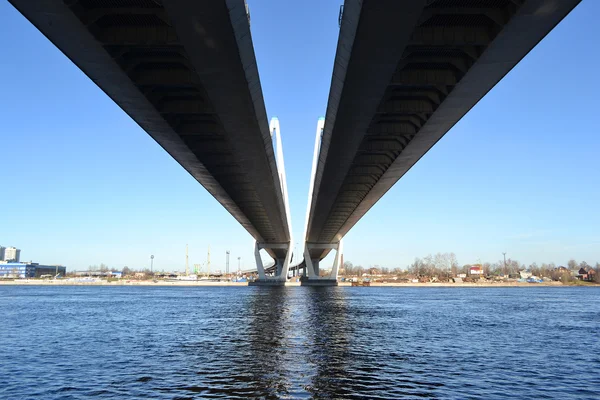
[(82, 184)]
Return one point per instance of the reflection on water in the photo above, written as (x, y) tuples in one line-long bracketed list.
[(329, 348), (259, 342), (269, 324)]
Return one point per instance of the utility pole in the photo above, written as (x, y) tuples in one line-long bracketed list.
[(187, 268), (239, 269), (504, 254), (227, 262)]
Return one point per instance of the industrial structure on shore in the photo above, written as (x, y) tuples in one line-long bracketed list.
[(10, 254), (11, 267), (30, 270)]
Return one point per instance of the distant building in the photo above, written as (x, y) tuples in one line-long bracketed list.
[(30, 270), (476, 270), (2, 249), (12, 254), (525, 274), (98, 274), (586, 274)]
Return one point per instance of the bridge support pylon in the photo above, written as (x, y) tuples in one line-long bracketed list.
[(282, 266), (313, 277)]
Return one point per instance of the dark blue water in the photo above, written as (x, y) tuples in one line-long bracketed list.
[(240, 342)]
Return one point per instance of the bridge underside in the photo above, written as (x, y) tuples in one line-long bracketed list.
[(405, 73), (185, 71)]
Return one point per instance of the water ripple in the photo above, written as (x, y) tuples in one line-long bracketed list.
[(322, 343)]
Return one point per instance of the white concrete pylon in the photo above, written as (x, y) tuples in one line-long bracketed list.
[(275, 130), (286, 264), (310, 271), (338, 260), (259, 265), (313, 172)]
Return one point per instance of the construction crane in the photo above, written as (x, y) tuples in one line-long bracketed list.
[(187, 268), (208, 262)]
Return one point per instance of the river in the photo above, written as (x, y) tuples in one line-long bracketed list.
[(79, 342)]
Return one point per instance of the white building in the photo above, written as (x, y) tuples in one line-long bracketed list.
[(525, 274), (12, 254)]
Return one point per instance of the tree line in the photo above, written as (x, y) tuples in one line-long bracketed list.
[(446, 265), (125, 271)]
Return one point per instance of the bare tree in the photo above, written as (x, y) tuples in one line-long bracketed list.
[(359, 270), (572, 264), (428, 265), (487, 268), (453, 263), (512, 266), (348, 268), (417, 267), (440, 262)]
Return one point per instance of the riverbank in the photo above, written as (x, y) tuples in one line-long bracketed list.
[(60, 282)]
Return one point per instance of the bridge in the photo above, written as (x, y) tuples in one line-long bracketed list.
[(405, 72), (186, 73)]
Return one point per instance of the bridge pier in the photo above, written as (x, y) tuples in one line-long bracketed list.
[(313, 278), (282, 266)]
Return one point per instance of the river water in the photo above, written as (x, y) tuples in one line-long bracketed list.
[(77, 342)]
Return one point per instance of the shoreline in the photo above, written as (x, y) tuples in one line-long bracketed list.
[(33, 282)]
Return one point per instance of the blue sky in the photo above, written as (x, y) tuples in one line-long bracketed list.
[(84, 185)]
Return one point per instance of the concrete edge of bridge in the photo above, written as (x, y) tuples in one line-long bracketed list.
[(319, 282), (267, 283)]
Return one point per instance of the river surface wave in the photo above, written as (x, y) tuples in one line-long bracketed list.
[(255, 342)]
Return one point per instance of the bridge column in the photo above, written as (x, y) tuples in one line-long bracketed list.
[(285, 268), (259, 265), (309, 269), (315, 265), (339, 257), (312, 265), (282, 266)]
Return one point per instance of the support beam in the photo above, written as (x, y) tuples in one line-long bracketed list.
[(310, 271), (339, 257), (282, 265), (259, 265), (312, 265)]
